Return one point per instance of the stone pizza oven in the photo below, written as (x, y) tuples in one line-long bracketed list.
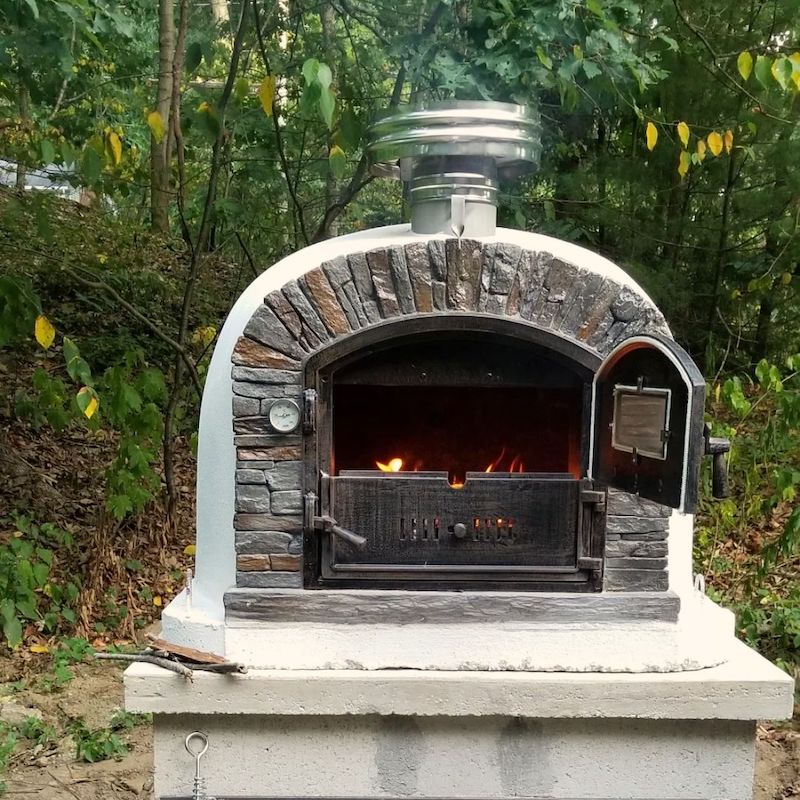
[(447, 474)]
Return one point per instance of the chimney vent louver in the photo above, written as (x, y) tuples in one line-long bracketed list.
[(452, 156)]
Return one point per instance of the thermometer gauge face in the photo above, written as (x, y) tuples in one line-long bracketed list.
[(284, 416)]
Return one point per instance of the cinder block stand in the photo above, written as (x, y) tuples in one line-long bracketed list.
[(434, 734)]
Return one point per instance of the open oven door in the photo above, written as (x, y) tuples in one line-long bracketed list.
[(647, 421)]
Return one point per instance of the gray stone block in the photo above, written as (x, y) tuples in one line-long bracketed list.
[(615, 524), (268, 522), (258, 391), (251, 499), (285, 475), (635, 580), (296, 545), (255, 440), (383, 283), (256, 375), (648, 536), (270, 580), (402, 280), (624, 504), (624, 549), (264, 542), (636, 563), (305, 310), (265, 327), (287, 502), (250, 476), (246, 406), (362, 280), (256, 465)]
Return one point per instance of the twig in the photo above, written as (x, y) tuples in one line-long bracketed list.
[(172, 666)]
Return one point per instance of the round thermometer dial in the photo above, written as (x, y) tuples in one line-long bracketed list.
[(284, 415)]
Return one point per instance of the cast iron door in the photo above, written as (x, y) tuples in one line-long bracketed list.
[(497, 529), (647, 435)]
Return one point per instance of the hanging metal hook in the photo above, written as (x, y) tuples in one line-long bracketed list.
[(196, 745)]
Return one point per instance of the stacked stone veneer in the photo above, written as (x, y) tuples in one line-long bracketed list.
[(428, 277)]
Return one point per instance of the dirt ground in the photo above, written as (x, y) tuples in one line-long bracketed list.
[(53, 773)]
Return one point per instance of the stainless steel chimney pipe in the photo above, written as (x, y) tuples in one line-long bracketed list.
[(453, 155)]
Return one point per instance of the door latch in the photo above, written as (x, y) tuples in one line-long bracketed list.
[(326, 524)]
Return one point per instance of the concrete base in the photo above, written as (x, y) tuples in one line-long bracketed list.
[(459, 757), (391, 733)]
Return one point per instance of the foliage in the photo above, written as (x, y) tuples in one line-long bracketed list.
[(96, 744), (29, 592), (749, 544), (8, 741)]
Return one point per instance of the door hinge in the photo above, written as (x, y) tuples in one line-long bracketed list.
[(309, 410)]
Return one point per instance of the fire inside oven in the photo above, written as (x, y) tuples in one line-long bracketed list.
[(457, 463)]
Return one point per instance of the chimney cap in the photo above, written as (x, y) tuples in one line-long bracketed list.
[(507, 133)]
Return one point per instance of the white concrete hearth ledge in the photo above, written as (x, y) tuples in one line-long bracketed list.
[(747, 687)]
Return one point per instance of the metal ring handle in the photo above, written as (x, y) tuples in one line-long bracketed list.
[(196, 736)]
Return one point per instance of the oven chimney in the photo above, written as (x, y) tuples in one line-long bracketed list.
[(452, 156)]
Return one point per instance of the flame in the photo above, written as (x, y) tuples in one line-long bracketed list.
[(496, 463), (394, 465)]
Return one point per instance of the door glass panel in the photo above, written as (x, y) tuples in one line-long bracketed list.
[(641, 421)]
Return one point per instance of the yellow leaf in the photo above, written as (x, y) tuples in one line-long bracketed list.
[(44, 331), (744, 64), (190, 550), (102, 258), (87, 401), (717, 390), (651, 133), (701, 150), (266, 94), (204, 106), (156, 125), (115, 145), (683, 163), (728, 141), (714, 143), (786, 278), (683, 133), (39, 648), (157, 601)]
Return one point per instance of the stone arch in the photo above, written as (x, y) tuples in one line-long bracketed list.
[(349, 294)]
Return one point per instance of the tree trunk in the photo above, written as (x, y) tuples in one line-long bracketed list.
[(24, 115), (219, 11), (328, 22), (160, 151)]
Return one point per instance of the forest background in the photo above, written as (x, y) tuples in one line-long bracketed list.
[(190, 144)]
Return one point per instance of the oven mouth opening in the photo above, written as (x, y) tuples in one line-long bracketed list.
[(389, 431)]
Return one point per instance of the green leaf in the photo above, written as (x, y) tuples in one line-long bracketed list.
[(48, 151), (91, 165), (12, 628), (324, 76), (764, 71), (744, 64), (310, 70), (327, 105), (591, 69), (350, 129), (194, 56), (596, 7), (547, 62), (337, 160), (33, 7), (241, 89), (782, 71)]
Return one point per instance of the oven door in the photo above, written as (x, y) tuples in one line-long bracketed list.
[(647, 421), (498, 531)]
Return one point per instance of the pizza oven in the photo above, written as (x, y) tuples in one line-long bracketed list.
[(450, 414), (446, 483)]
